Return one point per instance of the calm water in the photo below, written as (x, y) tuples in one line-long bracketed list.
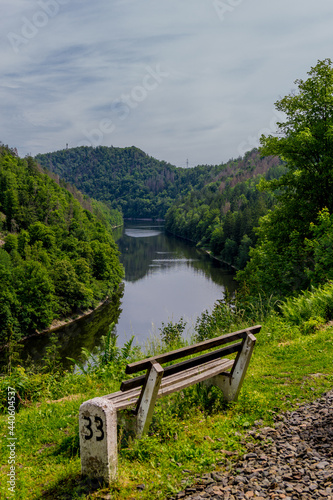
[(166, 278)]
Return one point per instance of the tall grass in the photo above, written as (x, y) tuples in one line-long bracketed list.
[(310, 308)]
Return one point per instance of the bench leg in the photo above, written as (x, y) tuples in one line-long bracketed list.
[(147, 399), (98, 439), (230, 384)]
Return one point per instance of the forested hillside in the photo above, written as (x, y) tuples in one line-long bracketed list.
[(223, 215), (57, 255), (126, 178), (216, 206)]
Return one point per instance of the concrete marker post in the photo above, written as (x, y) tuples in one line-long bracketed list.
[(98, 439)]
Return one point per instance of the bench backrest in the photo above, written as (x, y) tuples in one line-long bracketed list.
[(188, 351)]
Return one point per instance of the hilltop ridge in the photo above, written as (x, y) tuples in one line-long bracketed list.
[(137, 184)]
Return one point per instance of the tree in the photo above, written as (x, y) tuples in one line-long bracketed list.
[(321, 247), (305, 142), (282, 261), (70, 292), (8, 300), (35, 292)]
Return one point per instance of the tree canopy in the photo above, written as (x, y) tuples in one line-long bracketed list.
[(126, 178), (57, 255), (284, 259), (305, 142)]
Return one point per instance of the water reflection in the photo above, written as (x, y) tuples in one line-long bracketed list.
[(142, 256), (166, 278), (84, 333), (141, 233)]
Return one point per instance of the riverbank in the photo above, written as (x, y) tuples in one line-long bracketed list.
[(59, 324), (212, 256)]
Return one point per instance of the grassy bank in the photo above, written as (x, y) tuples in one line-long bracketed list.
[(192, 432)]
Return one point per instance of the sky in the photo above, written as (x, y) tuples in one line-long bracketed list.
[(187, 81)]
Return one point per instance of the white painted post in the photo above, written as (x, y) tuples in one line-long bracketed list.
[(146, 402), (231, 384), (98, 439)]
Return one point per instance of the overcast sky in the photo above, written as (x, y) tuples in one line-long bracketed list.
[(180, 79)]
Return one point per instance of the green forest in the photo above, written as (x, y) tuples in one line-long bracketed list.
[(294, 248), (57, 253), (126, 179), (223, 215)]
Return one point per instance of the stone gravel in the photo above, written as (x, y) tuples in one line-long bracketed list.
[(292, 460)]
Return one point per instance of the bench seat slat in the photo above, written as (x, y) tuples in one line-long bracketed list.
[(175, 382), (199, 374), (184, 365), (187, 351)]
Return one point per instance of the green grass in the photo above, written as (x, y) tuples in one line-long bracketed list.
[(190, 431)]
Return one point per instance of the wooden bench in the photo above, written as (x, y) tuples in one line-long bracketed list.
[(100, 416)]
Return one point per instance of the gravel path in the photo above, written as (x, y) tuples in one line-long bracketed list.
[(293, 460)]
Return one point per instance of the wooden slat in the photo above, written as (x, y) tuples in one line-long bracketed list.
[(173, 383), (187, 351), (122, 400), (184, 365), (194, 379), (215, 365)]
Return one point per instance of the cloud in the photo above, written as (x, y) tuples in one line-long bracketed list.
[(75, 62)]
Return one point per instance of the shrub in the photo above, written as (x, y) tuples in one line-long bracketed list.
[(171, 334)]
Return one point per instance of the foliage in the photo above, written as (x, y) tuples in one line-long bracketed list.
[(320, 248), (257, 308), (234, 313), (310, 306), (51, 362), (171, 334), (217, 322), (126, 178), (58, 256), (222, 215), (291, 250), (108, 360)]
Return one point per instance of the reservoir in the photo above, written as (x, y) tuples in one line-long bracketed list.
[(166, 279)]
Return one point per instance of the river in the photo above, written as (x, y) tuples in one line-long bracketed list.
[(166, 278)]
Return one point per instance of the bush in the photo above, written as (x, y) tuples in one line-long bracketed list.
[(108, 361), (217, 322), (171, 334)]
